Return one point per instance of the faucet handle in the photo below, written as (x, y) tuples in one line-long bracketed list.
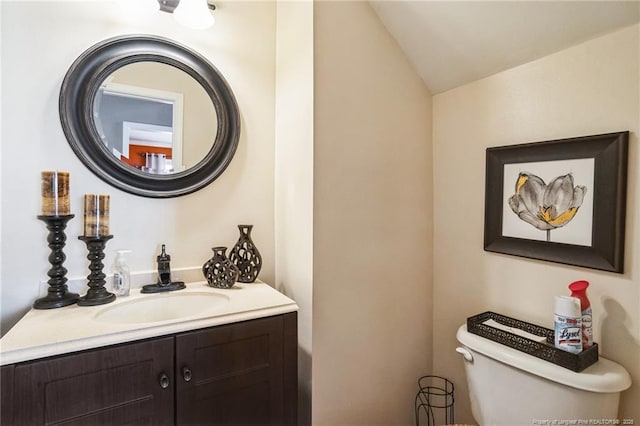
[(164, 268), (164, 257)]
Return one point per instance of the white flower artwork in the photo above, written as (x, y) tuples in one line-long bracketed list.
[(549, 201)]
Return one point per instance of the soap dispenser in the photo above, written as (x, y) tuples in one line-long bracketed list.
[(121, 274)]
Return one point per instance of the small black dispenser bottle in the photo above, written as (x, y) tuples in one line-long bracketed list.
[(164, 276)]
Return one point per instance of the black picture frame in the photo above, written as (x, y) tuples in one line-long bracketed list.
[(610, 152)]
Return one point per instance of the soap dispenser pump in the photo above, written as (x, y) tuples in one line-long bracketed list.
[(121, 274)]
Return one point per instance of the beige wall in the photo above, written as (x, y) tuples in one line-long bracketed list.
[(372, 259), (294, 177), (588, 89), (241, 45)]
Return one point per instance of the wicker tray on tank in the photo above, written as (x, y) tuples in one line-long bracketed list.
[(546, 351)]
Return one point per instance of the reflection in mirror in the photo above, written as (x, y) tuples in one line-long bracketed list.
[(125, 67), (155, 117)]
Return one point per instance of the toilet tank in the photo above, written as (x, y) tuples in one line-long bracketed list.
[(509, 387)]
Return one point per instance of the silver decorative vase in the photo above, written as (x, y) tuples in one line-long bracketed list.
[(245, 256), (219, 271)]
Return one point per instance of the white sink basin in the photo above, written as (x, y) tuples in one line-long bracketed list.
[(163, 307)]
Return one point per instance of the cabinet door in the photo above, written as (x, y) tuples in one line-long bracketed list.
[(235, 374), (6, 395), (113, 386)]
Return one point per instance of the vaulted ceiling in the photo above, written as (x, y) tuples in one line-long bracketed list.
[(451, 43)]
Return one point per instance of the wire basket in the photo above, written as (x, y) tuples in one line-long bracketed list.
[(435, 401), (546, 350)]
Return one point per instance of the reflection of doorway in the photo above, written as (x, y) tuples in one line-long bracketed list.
[(140, 139), (133, 115)]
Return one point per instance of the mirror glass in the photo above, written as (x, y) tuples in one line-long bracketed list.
[(155, 117), (149, 115)]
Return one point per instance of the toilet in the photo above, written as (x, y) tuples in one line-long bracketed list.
[(509, 387)]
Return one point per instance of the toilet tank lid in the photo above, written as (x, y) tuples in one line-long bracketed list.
[(605, 376)]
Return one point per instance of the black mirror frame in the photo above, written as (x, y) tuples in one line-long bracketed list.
[(78, 92)]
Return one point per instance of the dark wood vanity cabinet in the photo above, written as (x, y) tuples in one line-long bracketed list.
[(6, 394), (236, 374), (116, 386)]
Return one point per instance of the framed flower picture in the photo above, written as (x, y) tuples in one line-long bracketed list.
[(562, 200)]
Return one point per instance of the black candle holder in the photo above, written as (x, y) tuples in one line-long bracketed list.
[(57, 294), (97, 294)]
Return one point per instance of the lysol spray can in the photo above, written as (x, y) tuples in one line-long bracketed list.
[(568, 324)]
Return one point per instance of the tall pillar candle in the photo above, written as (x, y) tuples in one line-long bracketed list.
[(55, 193), (96, 215)]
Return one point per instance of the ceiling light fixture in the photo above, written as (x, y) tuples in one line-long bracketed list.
[(194, 14)]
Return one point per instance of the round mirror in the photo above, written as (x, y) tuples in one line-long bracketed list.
[(149, 116)]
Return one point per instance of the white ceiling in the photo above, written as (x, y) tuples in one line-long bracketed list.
[(451, 43)]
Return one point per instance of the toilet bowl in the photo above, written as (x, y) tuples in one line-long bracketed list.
[(509, 387)]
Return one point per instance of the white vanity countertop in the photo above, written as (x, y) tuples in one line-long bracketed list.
[(48, 332)]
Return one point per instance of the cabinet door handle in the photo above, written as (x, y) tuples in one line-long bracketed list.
[(186, 374), (164, 381)]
